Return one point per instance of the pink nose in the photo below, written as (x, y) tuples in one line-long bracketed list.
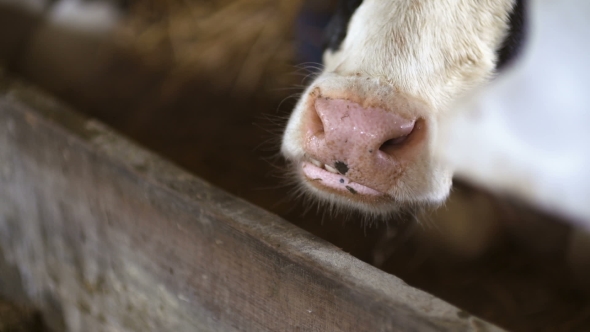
[(369, 146)]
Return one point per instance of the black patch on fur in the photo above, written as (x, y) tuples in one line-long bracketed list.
[(352, 191), (512, 45), (341, 167), (338, 26)]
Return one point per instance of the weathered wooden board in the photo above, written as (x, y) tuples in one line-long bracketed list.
[(104, 236)]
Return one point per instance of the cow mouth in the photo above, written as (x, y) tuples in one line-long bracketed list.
[(328, 178)]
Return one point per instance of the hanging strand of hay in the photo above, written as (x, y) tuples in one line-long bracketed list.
[(242, 46)]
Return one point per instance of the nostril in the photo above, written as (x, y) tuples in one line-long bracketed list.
[(394, 144), (394, 141), (315, 126)]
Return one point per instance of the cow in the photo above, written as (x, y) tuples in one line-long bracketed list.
[(362, 136)]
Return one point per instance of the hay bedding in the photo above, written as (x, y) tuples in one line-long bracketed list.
[(244, 46)]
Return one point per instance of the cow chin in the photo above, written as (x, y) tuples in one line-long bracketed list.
[(422, 194), (379, 163)]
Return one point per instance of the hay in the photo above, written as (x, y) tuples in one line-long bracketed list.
[(242, 46)]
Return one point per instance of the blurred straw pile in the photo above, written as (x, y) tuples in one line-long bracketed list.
[(242, 46)]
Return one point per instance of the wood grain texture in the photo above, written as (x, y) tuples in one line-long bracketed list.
[(105, 236)]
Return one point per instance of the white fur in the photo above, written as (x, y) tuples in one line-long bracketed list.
[(428, 51)]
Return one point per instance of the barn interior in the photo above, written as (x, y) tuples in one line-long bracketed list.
[(209, 86)]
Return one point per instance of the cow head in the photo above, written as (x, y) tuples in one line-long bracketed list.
[(361, 135)]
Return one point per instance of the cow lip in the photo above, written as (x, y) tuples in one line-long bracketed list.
[(330, 180)]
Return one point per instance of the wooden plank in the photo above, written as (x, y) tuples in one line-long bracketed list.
[(105, 236)]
